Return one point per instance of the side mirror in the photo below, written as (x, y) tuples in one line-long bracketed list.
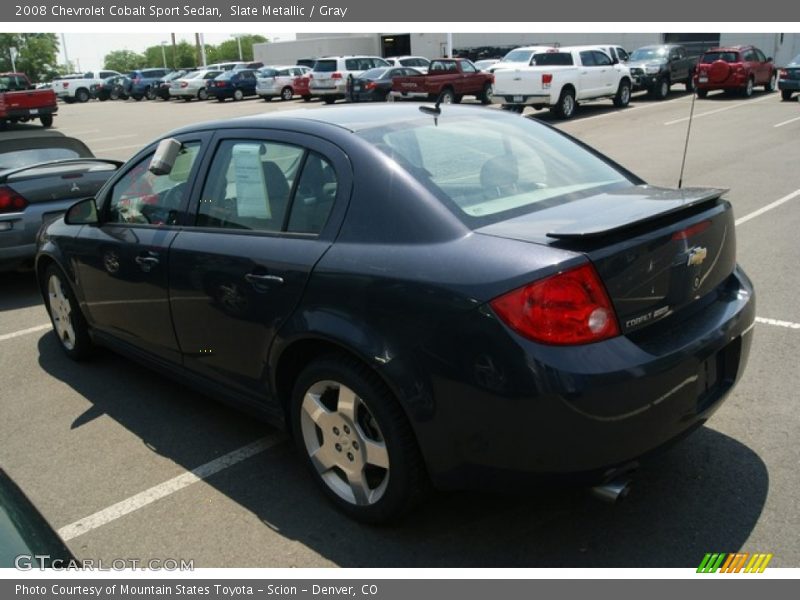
[(164, 158), (83, 212)]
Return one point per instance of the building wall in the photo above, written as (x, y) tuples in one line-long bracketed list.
[(288, 52), (781, 46)]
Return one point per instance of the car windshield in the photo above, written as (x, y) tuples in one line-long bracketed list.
[(648, 53), (373, 73), (23, 158), (487, 168), (710, 57), (518, 56), (325, 66)]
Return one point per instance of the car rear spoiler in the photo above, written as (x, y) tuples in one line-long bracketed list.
[(7, 173)]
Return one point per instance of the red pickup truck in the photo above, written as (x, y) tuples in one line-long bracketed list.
[(20, 101), (449, 79)]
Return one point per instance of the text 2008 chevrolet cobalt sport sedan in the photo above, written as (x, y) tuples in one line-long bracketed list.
[(457, 296)]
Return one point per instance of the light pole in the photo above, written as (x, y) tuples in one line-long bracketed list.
[(238, 37), (13, 53), (164, 54)]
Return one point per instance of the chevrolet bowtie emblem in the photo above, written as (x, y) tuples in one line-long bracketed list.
[(75, 188), (697, 255)]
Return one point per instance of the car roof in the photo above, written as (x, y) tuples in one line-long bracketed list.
[(728, 48), (351, 118)]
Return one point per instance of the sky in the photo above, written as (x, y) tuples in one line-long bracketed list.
[(87, 50)]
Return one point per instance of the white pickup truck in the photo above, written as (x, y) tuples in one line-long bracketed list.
[(78, 87), (560, 78)]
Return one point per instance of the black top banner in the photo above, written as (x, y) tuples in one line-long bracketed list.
[(353, 11)]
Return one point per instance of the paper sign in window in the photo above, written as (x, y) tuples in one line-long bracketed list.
[(251, 188)]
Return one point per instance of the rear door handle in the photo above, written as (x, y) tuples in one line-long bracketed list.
[(146, 260), (257, 278)]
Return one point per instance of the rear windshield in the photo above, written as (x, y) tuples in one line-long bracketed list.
[(487, 168), (373, 73), (325, 66), (267, 73), (730, 57), (12, 83), (23, 158), (551, 59)]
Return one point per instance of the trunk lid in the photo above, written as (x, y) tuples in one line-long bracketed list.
[(57, 181), (524, 81), (657, 250)]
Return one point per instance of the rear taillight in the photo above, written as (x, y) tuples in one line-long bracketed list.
[(220, 84), (685, 234), (65, 84), (336, 75), (783, 73), (136, 80), (547, 80), (371, 85), (568, 308), (184, 84), (11, 201)]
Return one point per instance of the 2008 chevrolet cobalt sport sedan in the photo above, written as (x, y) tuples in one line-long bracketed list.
[(459, 296)]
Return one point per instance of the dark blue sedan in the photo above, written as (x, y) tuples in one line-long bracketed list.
[(232, 84), (451, 296)]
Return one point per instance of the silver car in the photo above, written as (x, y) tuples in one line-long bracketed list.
[(193, 85), (278, 82), (330, 75)]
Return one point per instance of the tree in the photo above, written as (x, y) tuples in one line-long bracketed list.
[(124, 61), (229, 49), (37, 53)]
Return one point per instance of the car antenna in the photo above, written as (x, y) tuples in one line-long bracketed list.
[(435, 111), (686, 144)]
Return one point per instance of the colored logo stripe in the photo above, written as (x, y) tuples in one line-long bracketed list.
[(734, 562)]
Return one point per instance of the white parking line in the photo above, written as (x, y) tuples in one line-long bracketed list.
[(719, 110), (787, 122), (8, 336), (114, 512), (777, 323), (769, 206)]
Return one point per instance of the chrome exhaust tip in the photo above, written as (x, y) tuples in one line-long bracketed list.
[(612, 491)]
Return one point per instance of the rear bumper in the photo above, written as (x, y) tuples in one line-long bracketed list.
[(29, 113), (530, 412), (789, 84), (521, 99), (408, 95), (18, 231), (735, 81), (183, 93)]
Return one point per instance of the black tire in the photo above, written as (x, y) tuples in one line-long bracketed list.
[(202, 94), (772, 82), (329, 99), (102, 98), (150, 93), (306, 98), (786, 95), (82, 95), (377, 421), (747, 90), (447, 96), (65, 309), (486, 94), (69, 100), (661, 89), (46, 120), (623, 96), (267, 98), (137, 97), (565, 107), (689, 83), (702, 93), (220, 99), (287, 93)]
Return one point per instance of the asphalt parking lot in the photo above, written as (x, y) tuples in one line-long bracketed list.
[(104, 448)]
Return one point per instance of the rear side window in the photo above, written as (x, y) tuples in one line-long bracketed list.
[(267, 186), (325, 66), (143, 198), (601, 59), (553, 59)]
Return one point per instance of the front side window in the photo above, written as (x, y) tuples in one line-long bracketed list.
[(468, 67), (601, 59), (267, 186), (142, 198)]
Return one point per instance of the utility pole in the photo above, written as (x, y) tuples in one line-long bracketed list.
[(174, 52)]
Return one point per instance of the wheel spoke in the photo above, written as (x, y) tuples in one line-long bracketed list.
[(376, 453), (346, 405), (323, 458), (315, 410), (359, 486)]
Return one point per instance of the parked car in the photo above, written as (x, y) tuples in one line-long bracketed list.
[(145, 83), (789, 78), (112, 88), (518, 57), (278, 81), (735, 69), (26, 538), (193, 85), (424, 294), (449, 79), (420, 63), (77, 87), (376, 84), (164, 85), (561, 78), (40, 177), (20, 101), (301, 88), (232, 84), (485, 64), (656, 68), (328, 78)]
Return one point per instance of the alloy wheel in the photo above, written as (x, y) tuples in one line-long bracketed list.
[(61, 312)]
